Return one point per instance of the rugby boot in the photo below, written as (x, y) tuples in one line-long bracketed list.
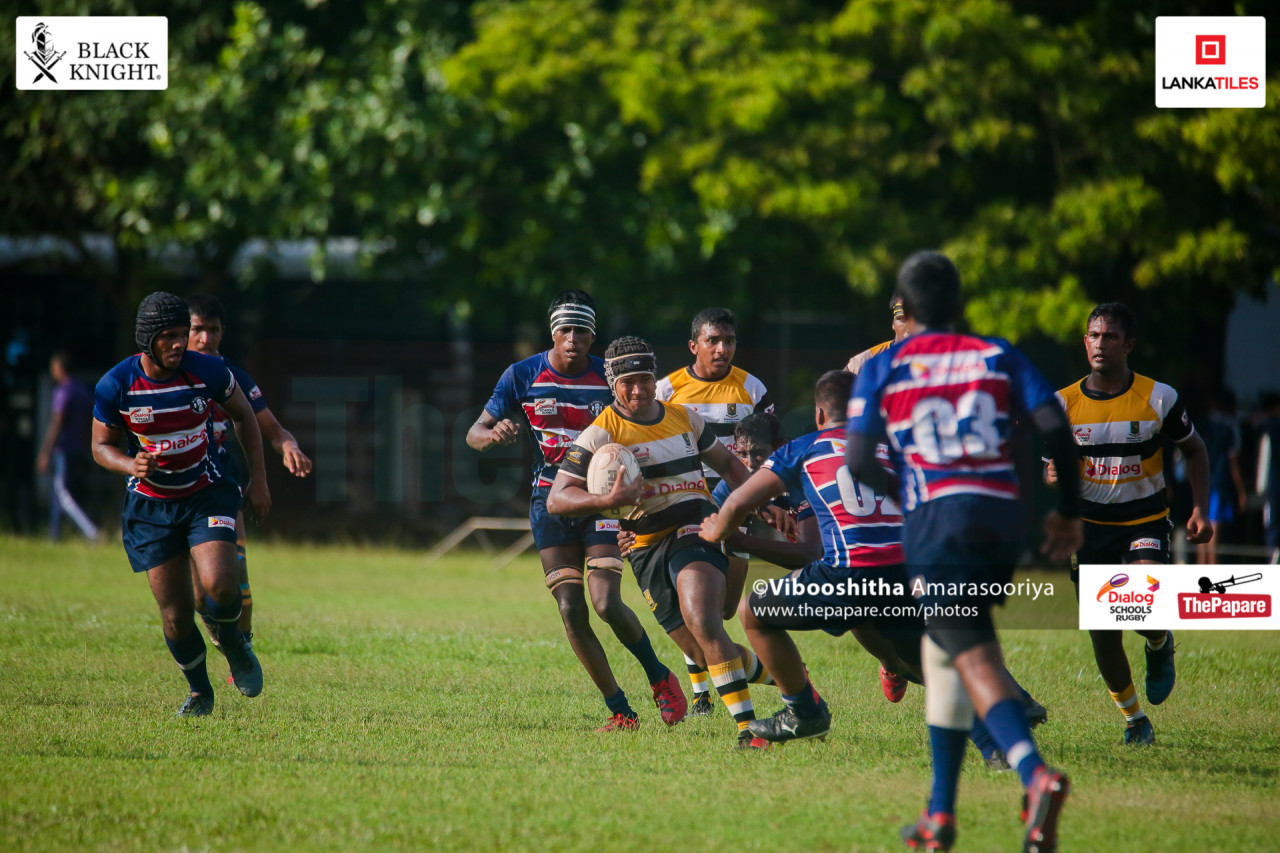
[(197, 705), (992, 754), (1041, 806), (670, 700), (785, 725), (702, 706), (1140, 733), (893, 685), (1037, 714), (1160, 672), (620, 723), (747, 741), (931, 832), (245, 669)]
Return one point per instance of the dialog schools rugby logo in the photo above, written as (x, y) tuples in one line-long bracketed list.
[(1116, 582), (1131, 606)]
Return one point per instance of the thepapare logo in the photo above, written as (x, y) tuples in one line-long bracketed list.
[(1116, 582), (1093, 469), (1214, 602), (44, 57), (1211, 50)]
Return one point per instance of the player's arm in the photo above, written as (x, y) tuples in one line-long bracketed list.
[(1196, 456), (724, 463), (569, 495), (488, 431), (50, 436), (107, 453), (1064, 532), (788, 554), (760, 488), (283, 442), (250, 438)]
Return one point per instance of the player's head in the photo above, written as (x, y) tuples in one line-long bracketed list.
[(831, 398), (899, 321), (572, 316), (1109, 338), (755, 438), (713, 340), (930, 288), (208, 323), (60, 366), (161, 328), (632, 371)]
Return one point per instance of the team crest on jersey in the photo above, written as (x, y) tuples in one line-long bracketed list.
[(596, 408), (732, 410), (140, 415), (1083, 434), (687, 442), (199, 404), (544, 406), (1135, 431)]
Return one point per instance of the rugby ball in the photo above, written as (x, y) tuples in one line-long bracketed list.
[(602, 473)]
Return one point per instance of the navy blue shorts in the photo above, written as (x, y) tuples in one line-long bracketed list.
[(960, 544), (155, 531), (821, 598), (550, 530)]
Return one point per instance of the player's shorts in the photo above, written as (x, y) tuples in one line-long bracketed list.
[(954, 544), (657, 566), (1222, 507), (155, 531), (838, 600), (550, 531), (1108, 544)]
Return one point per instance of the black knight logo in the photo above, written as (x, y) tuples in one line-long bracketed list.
[(45, 56)]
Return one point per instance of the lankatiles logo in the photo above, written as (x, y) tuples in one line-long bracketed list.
[(1211, 50), (1211, 61)]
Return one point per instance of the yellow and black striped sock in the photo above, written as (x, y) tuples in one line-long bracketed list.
[(731, 682), (1127, 701), (751, 665), (697, 678)]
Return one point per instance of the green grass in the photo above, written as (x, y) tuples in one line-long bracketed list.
[(441, 708)]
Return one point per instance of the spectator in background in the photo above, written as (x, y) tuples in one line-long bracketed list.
[(1227, 494), (1269, 469), (18, 379), (65, 449)]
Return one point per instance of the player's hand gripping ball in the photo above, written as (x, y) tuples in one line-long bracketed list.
[(603, 471)]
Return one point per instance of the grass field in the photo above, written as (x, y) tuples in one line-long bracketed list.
[(441, 709)]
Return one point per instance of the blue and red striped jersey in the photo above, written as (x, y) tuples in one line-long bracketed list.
[(168, 418), (859, 528), (947, 403), (555, 407)]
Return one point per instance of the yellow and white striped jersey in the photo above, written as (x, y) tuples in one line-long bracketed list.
[(855, 364), (669, 450), (720, 402), (1121, 439)]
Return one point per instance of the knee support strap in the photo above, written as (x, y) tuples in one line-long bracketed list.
[(946, 702), (604, 564), (562, 575)]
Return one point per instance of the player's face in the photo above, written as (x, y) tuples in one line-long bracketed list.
[(1106, 346), (206, 335), (752, 454), (573, 342), (899, 326), (713, 351), (170, 346), (635, 393)]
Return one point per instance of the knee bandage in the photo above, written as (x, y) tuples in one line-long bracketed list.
[(946, 702), (604, 564), (563, 575)]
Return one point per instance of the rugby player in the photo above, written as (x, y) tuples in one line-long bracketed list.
[(682, 576), (899, 325), (723, 395), (557, 393), (178, 507), (945, 403), (208, 324), (1120, 420)]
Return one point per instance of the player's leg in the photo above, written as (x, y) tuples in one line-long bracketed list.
[(700, 587), (735, 580), (171, 586), (604, 582), (246, 596), (1158, 648), (69, 481), (805, 714)]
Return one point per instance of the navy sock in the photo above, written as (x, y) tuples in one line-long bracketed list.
[(948, 757), (982, 738), (189, 652), (618, 704), (805, 704), (654, 669), (226, 619), (1007, 720)]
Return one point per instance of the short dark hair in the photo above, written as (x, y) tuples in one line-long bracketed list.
[(208, 306), (712, 317), (571, 297), (930, 287), (759, 428), (831, 393), (1118, 313), (63, 357)]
